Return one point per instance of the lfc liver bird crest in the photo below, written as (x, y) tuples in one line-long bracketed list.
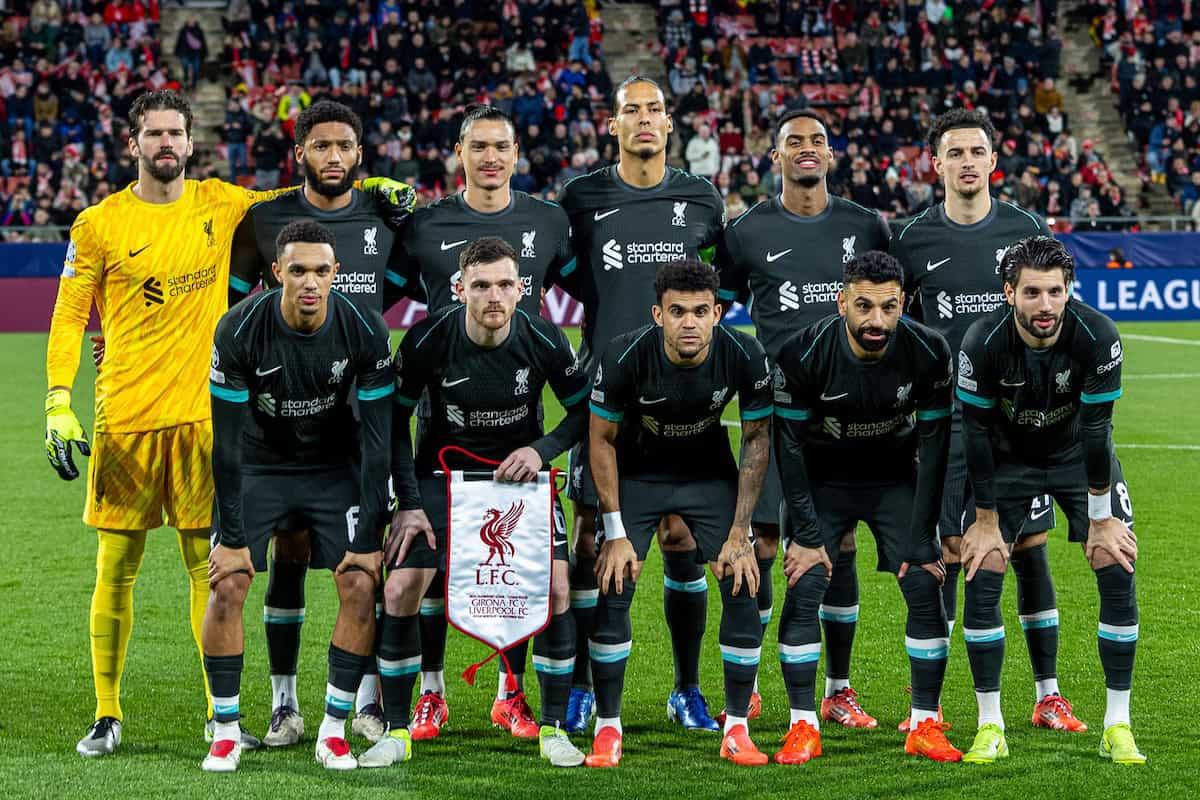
[(496, 530)]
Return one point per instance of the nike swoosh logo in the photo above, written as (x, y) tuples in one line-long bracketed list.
[(448, 383), (648, 402), (598, 216), (930, 266), (1039, 514), (452, 245), (260, 373), (1007, 383), (834, 397), (134, 253), (776, 256)]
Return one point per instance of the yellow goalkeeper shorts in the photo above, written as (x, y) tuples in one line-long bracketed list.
[(138, 480)]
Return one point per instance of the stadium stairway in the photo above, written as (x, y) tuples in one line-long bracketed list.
[(631, 46), (208, 101), (1089, 102)]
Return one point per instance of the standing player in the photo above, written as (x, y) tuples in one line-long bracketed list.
[(658, 448), (483, 362), (847, 388), (951, 255), (328, 151), (154, 258), (285, 446), (784, 259), (1038, 380), (432, 244), (626, 220)]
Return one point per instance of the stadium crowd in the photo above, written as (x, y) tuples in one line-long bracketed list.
[(879, 71), (1152, 52)]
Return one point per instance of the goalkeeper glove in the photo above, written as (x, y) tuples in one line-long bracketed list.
[(63, 430), (394, 200)]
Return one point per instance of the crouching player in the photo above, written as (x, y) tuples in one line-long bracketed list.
[(849, 450), (1037, 379), (288, 455), (657, 447), (484, 363)]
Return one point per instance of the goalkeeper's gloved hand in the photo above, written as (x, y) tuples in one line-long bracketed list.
[(63, 430), (394, 200)]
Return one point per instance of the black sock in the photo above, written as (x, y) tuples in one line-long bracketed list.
[(345, 673), (433, 625), (399, 664), (950, 593), (283, 615), (517, 655), (839, 614), (1037, 608), (685, 604), (554, 662), (800, 638), (983, 629), (584, 596), (766, 593), (741, 645), (225, 683), (609, 648), (926, 637), (1118, 632)]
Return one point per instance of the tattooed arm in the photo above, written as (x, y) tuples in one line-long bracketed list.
[(737, 556)]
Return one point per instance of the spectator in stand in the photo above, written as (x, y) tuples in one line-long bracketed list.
[(703, 153), (191, 48), (270, 148), (235, 132)]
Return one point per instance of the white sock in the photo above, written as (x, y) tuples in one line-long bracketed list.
[(808, 716), (1048, 686), (608, 722), (755, 689), (919, 715), (283, 692), (227, 730), (368, 693), (502, 684), (1117, 710), (989, 709), (732, 722), (835, 685), (949, 628), (332, 727), (433, 682)]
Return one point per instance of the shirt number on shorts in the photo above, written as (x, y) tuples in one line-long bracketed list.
[(351, 522)]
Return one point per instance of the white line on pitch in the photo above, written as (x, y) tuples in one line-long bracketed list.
[(1162, 376), (1158, 446), (1160, 339)]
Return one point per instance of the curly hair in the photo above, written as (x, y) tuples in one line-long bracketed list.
[(960, 118), (1042, 253), (326, 111), (687, 275)]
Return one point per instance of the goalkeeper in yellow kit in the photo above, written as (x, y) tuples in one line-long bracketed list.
[(155, 260)]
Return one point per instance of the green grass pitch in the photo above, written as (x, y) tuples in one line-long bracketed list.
[(47, 570)]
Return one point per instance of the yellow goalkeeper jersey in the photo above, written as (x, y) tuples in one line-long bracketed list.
[(159, 276)]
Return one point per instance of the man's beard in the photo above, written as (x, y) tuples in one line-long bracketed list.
[(312, 179), (1026, 322), (869, 345), (163, 172), (809, 181)]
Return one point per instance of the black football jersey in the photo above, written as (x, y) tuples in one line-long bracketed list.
[(670, 415)]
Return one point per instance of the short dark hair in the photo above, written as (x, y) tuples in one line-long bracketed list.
[(957, 118), (799, 113), (326, 111), (479, 111), (632, 79), (303, 230), (486, 250), (160, 100), (1042, 253), (873, 266), (688, 275)]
